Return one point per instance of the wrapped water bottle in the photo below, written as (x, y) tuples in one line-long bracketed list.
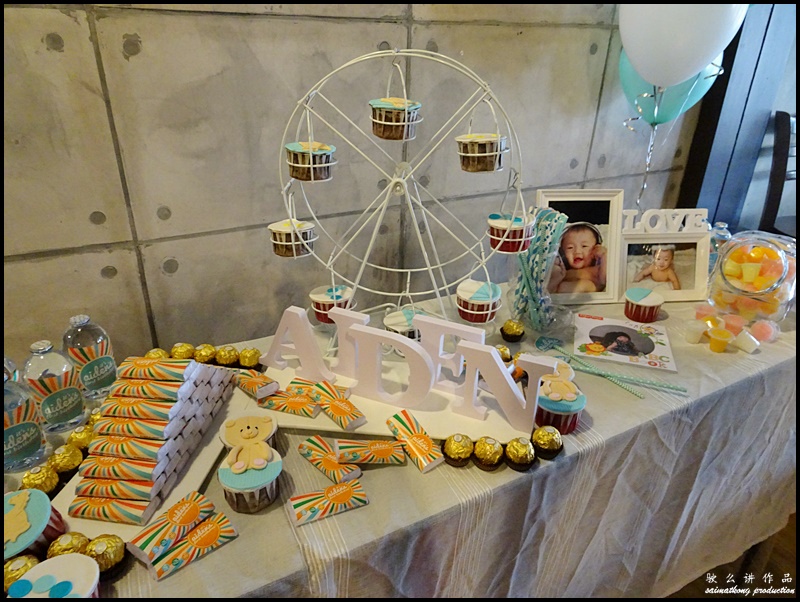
[(56, 386), (24, 443), (88, 346), (719, 236)]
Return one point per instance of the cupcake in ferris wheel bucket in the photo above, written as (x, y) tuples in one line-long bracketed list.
[(310, 162), (477, 301), (509, 234), (395, 118), (292, 238), (481, 152), (325, 298), (401, 322)]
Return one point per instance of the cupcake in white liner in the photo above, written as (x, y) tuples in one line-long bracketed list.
[(395, 118), (642, 304), (310, 162), (482, 152), (292, 238), (252, 490), (509, 235), (66, 576)]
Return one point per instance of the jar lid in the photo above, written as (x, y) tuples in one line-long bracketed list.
[(40, 346), (79, 320)]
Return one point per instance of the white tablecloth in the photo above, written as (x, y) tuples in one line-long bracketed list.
[(647, 496)]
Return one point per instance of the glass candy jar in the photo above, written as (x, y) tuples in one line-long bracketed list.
[(755, 276)]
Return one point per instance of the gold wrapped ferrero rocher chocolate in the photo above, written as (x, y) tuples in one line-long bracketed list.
[(182, 351), (547, 442), (520, 454), (249, 358), (95, 415), (227, 355), (157, 354), (108, 550), (505, 352), (43, 477), (81, 437), (65, 458), (69, 543), (457, 449), (512, 331), (16, 567), (488, 453), (205, 353)]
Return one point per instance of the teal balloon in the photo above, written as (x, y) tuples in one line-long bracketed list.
[(675, 100)]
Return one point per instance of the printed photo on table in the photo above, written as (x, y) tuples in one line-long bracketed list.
[(585, 268)]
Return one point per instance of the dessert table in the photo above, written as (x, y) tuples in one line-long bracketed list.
[(647, 495)]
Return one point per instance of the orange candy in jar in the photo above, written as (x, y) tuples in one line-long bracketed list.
[(755, 277)]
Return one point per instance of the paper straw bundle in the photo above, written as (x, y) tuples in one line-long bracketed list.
[(531, 296)]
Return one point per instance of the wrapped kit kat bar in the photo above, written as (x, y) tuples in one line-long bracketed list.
[(418, 445), (129, 512), (256, 384), (335, 499), (132, 427), (133, 448), (317, 451), (154, 369), (170, 527), (110, 467), (212, 533), (137, 407), (302, 385), (299, 404), (369, 451), (147, 389), (119, 489), (338, 408)]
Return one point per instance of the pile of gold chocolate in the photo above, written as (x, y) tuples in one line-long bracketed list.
[(488, 454), (227, 355)]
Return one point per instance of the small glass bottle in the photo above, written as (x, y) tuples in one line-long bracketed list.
[(719, 236), (24, 443), (88, 346), (56, 387)]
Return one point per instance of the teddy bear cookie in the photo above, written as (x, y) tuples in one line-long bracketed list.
[(249, 472), (560, 402)]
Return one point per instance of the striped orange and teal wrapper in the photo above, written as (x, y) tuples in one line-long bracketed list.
[(206, 537), (298, 404), (153, 369), (42, 387), (342, 411), (110, 467), (171, 526), (137, 407), (418, 445), (119, 489), (322, 456), (133, 447), (132, 427), (302, 385), (83, 355), (370, 452), (335, 499), (148, 389), (27, 412), (130, 512), (257, 386)]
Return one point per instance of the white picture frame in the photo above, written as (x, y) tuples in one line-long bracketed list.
[(689, 262), (596, 211)]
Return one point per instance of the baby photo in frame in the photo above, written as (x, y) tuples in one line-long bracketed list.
[(674, 264), (586, 268)]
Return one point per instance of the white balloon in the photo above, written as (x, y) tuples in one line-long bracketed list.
[(669, 43)]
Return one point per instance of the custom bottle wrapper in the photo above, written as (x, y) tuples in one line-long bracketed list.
[(302, 385), (335, 499), (298, 404), (338, 408), (256, 385), (206, 537), (119, 489), (369, 452), (134, 427), (170, 527), (129, 512), (133, 447), (153, 369), (109, 467), (418, 445), (148, 389), (317, 451), (137, 407)]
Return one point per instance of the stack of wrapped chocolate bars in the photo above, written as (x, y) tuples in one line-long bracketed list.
[(151, 424)]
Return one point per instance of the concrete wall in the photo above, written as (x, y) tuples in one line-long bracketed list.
[(143, 151)]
